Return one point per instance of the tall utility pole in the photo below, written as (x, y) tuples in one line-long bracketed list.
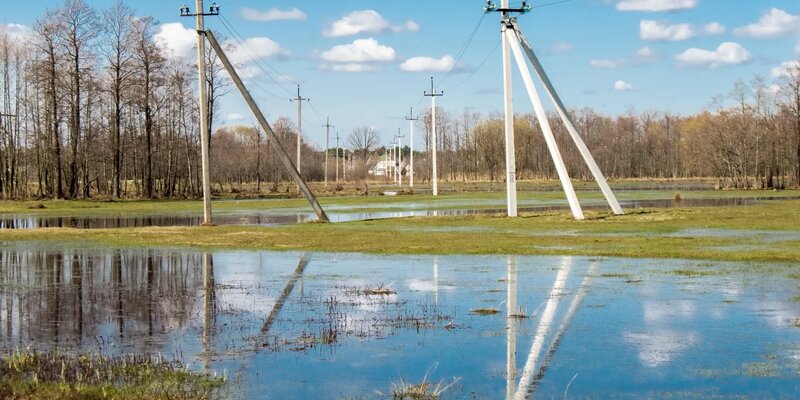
[(327, 127), (205, 134), (434, 178), (411, 120), (511, 159), (399, 158), (299, 99), (337, 156)]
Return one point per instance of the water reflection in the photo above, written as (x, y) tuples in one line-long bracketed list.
[(581, 326)]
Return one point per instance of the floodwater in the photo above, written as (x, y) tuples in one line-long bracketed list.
[(335, 214), (287, 325)]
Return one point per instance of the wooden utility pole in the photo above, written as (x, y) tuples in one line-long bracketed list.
[(327, 127), (282, 154), (411, 120), (205, 134), (434, 178), (299, 99)]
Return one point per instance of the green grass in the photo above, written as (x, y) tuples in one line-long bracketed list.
[(52, 375), (652, 233)]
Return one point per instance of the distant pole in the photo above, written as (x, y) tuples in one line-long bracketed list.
[(337, 157), (328, 127), (434, 178), (344, 165), (399, 158), (511, 162), (411, 120), (299, 99), (204, 129)]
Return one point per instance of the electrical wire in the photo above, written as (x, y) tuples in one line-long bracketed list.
[(474, 71), (464, 48), (258, 61)]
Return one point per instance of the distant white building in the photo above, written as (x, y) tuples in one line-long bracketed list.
[(382, 168)]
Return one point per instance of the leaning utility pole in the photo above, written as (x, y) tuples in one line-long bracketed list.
[(299, 99), (205, 134), (328, 127), (434, 178), (411, 120), (282, 154)]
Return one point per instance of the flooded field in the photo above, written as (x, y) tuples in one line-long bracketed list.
[(340, 213), (319, 325)]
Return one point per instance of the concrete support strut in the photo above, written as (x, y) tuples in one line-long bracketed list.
[(266, 127)]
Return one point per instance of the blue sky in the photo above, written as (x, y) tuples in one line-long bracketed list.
[(611, 55)]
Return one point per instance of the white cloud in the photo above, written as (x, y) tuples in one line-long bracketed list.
[(274, 14), (728, 53), (646, 55), (360, 51), (366, 21), (714, 28), (16, 31), (429, 64), (662, 30), (656, 5), (177, 40), (623, 86), (605, 64), (255, 48), (643, 56), (785, 70), (235, 117), (351, 67), (562, 47), (774, 23)]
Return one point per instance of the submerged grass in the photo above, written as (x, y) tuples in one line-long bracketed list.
[(653, 233), (52, 375)]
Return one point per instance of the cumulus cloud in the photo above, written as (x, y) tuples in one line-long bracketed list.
[(714, 28), (656, 5), (235, 117), (360, 51), (561, 47), (16, 31), (643, 56), (366, 21), (176, 40), (255, 48), (786, 69), (605, 64), (662, 30), (728, 53), (274, 14), (774, 23), (429, 64), (623, 86)]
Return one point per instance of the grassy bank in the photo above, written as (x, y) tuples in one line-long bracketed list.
[(51, 375), (763, 232)]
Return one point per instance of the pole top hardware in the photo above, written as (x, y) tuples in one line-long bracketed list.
[(492, 7), (212, 10)]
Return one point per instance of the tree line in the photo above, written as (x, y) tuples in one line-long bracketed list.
[(93, 106)]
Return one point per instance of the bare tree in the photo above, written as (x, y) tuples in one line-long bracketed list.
[(363, 140)]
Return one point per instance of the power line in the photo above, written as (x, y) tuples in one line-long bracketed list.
[(474, 71), (465, 47)]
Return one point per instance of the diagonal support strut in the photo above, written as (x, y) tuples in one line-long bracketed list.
[(287, 162)]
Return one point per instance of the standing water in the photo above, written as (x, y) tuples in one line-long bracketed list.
[(318, 325)]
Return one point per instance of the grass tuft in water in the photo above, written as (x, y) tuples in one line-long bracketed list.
[(484, 311), (33, 375), (422, 391)]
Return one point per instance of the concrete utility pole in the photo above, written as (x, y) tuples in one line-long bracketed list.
[(299, 99), (511, 159), (282, 154), (411, 120), (328, 127), (202, 82), (399, 158), (337, 156), (434, 178)]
